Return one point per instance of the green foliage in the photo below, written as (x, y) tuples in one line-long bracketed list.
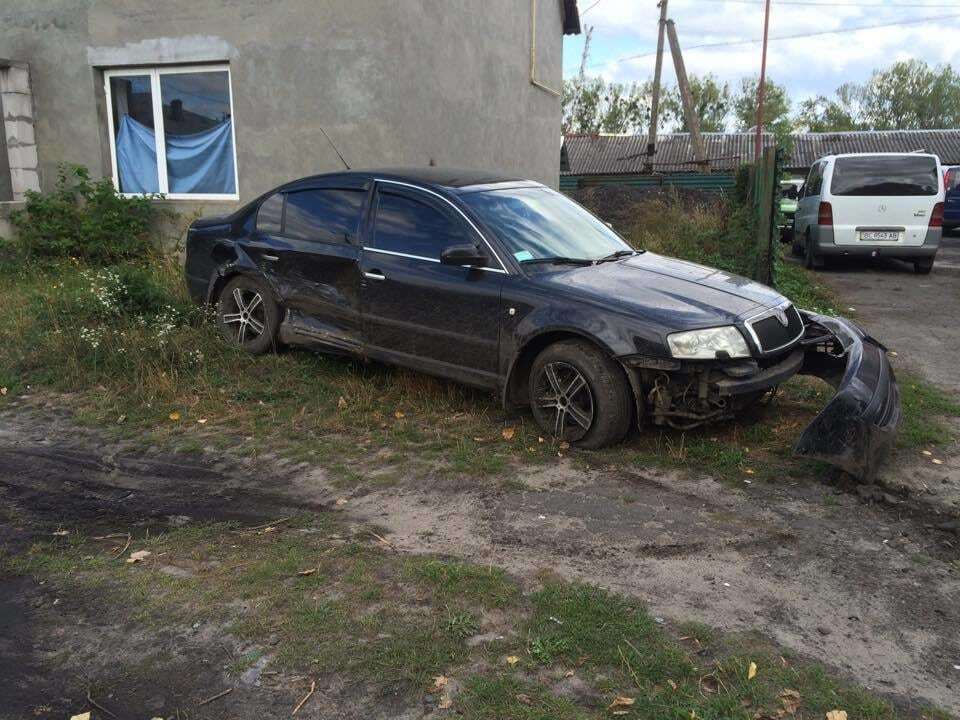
[(776, 108), (592, 105), (711, 103), (84, 218)]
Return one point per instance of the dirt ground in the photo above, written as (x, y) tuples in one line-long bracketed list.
[(871, 590), (915, 316)]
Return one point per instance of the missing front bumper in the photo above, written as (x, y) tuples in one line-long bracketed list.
[(857, 428)]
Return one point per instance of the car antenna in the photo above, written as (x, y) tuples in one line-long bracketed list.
[(334, 147)]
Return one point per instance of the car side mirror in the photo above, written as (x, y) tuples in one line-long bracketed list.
[(465, 254)]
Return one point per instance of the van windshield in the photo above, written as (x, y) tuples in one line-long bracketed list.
[(885, 175)]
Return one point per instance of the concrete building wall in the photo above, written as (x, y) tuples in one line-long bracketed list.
[(393, 82)]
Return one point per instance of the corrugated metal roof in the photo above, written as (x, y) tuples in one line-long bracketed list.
[(617, 154), (809, 147)]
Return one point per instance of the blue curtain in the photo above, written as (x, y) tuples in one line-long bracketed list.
[(136, 157), (198, 163)]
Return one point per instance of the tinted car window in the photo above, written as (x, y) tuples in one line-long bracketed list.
[(880, 175), (814, 181), (405, 225), (329, 215), (270, 214)]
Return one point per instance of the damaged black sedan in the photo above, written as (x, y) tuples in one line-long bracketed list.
[(507, 285)]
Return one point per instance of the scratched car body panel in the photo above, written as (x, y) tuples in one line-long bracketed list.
[(504, 284)]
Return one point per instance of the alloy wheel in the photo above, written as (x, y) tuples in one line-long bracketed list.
[(563, 401), (243, 312)]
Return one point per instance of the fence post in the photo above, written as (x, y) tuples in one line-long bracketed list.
[(765, 188)]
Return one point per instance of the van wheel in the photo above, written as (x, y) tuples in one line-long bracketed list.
[(923, 266), (247, 315), (580, 395), (811, 261)]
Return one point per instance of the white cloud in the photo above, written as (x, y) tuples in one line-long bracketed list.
[(806, 66)]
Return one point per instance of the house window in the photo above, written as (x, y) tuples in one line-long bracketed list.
[(182, 116)]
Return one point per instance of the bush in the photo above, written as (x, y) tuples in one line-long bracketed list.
[(85, 219)]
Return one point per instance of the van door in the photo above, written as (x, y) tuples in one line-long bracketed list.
[(809, 202), (883, 199)]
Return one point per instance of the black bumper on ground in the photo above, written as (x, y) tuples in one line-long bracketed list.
[(857, 428)]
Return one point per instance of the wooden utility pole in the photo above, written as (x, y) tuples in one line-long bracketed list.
[(761, 88), (655, 100), (689, 113)]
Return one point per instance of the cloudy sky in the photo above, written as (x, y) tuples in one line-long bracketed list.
[(627, 28)]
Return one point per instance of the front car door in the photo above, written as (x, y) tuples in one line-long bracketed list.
[(443, 319), (808, 205)]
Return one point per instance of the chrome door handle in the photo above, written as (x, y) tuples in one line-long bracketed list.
[(271, 258), (375, 275)]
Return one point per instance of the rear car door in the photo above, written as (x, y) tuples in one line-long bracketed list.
[(312, 259), (443, 319), (883, 199)]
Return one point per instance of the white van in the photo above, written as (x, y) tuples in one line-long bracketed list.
[(871, 204)]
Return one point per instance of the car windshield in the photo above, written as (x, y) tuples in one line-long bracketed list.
[(536, 223), (885, 175)]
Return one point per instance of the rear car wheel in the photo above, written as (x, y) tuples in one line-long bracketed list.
[(923, 266), (247, 315), (580, 395), (811, 261)]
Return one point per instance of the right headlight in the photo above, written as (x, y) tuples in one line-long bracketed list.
[(705, 344)]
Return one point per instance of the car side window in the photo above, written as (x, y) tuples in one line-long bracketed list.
[(408, 226), (270, 215), (326, 214)]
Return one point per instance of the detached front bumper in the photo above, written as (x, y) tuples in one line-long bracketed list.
[(857, 428)]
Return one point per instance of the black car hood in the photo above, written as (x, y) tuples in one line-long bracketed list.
[(680, 293)]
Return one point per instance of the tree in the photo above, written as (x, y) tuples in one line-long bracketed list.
[(823, 114), (911, 95), (711, 103), (776, 107), (592, 105)]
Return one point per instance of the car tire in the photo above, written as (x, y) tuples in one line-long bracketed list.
[(247, 315), (597, 412), (811, 261), (923, 266)]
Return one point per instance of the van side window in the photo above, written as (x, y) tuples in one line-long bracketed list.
[(815, 180), (270, 215)]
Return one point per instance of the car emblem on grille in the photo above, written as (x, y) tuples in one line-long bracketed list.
[(781, 316)]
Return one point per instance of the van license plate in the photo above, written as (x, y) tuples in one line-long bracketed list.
[(881, 235)]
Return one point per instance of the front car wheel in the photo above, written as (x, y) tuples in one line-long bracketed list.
[(247, 315), (580, 395)]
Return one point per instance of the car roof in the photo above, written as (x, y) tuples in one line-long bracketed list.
[(880, 154), (451, 179)]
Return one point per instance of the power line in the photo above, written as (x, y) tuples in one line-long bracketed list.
[(598, 2), (833, 3), (797, 36)]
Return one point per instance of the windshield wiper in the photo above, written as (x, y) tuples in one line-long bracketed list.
[(616, 255), (557, 260)]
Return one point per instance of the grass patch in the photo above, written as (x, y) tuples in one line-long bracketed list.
[(299, 600), (926, 411)]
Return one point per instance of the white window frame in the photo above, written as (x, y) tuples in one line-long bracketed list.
[(154, 73)]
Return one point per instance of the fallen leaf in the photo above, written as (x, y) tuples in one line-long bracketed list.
[(927, 453), (138, 555), (445, 702), (340, 501), (672, 684), (508, 433), (399, 414), (749, 471), (61, 533), (121, 418), (620, 702), (524, 699), (512, 660), (569, 673), (270, 529), (81, 716), (937, 461), (790, 699), (175, 416), (341, 402), (752, 671), (837, 715), (439, 683), (308, 571), (3, 391), (202, 421), (564, 445)]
